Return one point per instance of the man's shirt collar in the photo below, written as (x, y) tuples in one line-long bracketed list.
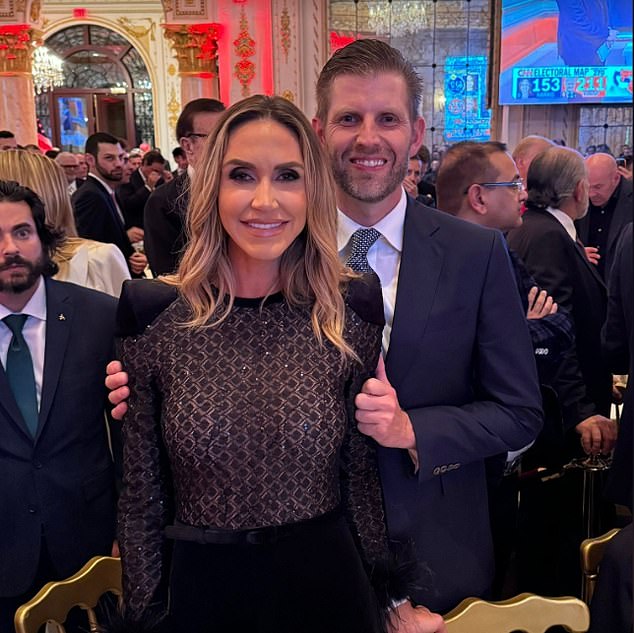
[(35, 306), (390, 226)]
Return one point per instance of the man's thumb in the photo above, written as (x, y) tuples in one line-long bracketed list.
[(380, 373)]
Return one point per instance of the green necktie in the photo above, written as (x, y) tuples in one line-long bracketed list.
[(19, 371)]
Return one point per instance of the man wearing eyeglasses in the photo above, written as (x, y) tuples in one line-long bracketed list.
[(480, 183), (70, 164), (164, 213)]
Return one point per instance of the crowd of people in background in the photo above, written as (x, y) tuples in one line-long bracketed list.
[(457, 316)]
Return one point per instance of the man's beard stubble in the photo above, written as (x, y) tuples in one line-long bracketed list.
[(20, 283), (367, 189), (109, 175)]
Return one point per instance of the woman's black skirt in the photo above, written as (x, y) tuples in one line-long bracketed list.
[(306, 579)]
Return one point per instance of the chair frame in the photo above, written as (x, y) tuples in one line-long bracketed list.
[(100, 575), (525, 612), (591, 551)]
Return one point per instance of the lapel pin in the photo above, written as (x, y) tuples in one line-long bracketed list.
[(61, 317)]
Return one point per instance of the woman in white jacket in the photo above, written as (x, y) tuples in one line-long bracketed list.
[(83, 262)]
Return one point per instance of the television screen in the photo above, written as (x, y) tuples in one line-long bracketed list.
[(566, 51), (466, 114)]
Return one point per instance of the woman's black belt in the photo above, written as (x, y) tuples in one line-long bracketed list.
[(254, 536)]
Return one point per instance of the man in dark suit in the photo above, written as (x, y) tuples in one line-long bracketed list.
[(480, 183), (143, 181), (57, 498), (611, 606), (618, 347), (164, 215), (611, 209), (97, 211), (461, 383), (547, 242)]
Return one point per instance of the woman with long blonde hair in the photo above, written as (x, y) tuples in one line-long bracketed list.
[(84, 262), (249, 495)]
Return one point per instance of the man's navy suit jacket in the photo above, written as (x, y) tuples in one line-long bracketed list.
[(60, 485), (461, 361), (97, 217)]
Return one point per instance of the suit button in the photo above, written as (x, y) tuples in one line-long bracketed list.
[(37, 464), (32, 510)]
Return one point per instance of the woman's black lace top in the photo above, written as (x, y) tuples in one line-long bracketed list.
[(246, 424)]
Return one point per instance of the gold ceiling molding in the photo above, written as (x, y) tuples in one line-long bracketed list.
[(146, 34)]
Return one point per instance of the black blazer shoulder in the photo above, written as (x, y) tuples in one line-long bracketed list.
[(141, 302), (422, 220), (88, 296), (90, 186), (171, 197)]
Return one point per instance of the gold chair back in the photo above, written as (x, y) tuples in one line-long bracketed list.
[(591, 554), (526, 612), (52, 603)]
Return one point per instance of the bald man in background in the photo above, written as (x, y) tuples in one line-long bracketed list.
[(610, 210)]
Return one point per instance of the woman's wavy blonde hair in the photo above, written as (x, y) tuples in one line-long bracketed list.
[(310, 270), (47, 179)]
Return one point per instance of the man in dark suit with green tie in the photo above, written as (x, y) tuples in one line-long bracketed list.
[(57, 498)]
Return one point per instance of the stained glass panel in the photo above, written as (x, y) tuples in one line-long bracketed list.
[(43, 115), (69, 38), (135, 66), (101, 37), (89, 69), (143, 118)]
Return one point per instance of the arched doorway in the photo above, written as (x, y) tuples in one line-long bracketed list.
[(107, 88)]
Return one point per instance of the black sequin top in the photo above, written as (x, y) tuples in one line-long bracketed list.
[(243, 425)]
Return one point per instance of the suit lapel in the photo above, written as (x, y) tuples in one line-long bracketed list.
[(59, 317), (579, 250), (593, 269), (419, 274), (109, 201), (583, 226)]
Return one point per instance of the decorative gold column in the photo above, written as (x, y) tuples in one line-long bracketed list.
[(17, 106), (195, 47)]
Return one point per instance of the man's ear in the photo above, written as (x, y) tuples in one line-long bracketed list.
[(418, 135), (90, 160), (319, 128), (579, 191), (475, 199)]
